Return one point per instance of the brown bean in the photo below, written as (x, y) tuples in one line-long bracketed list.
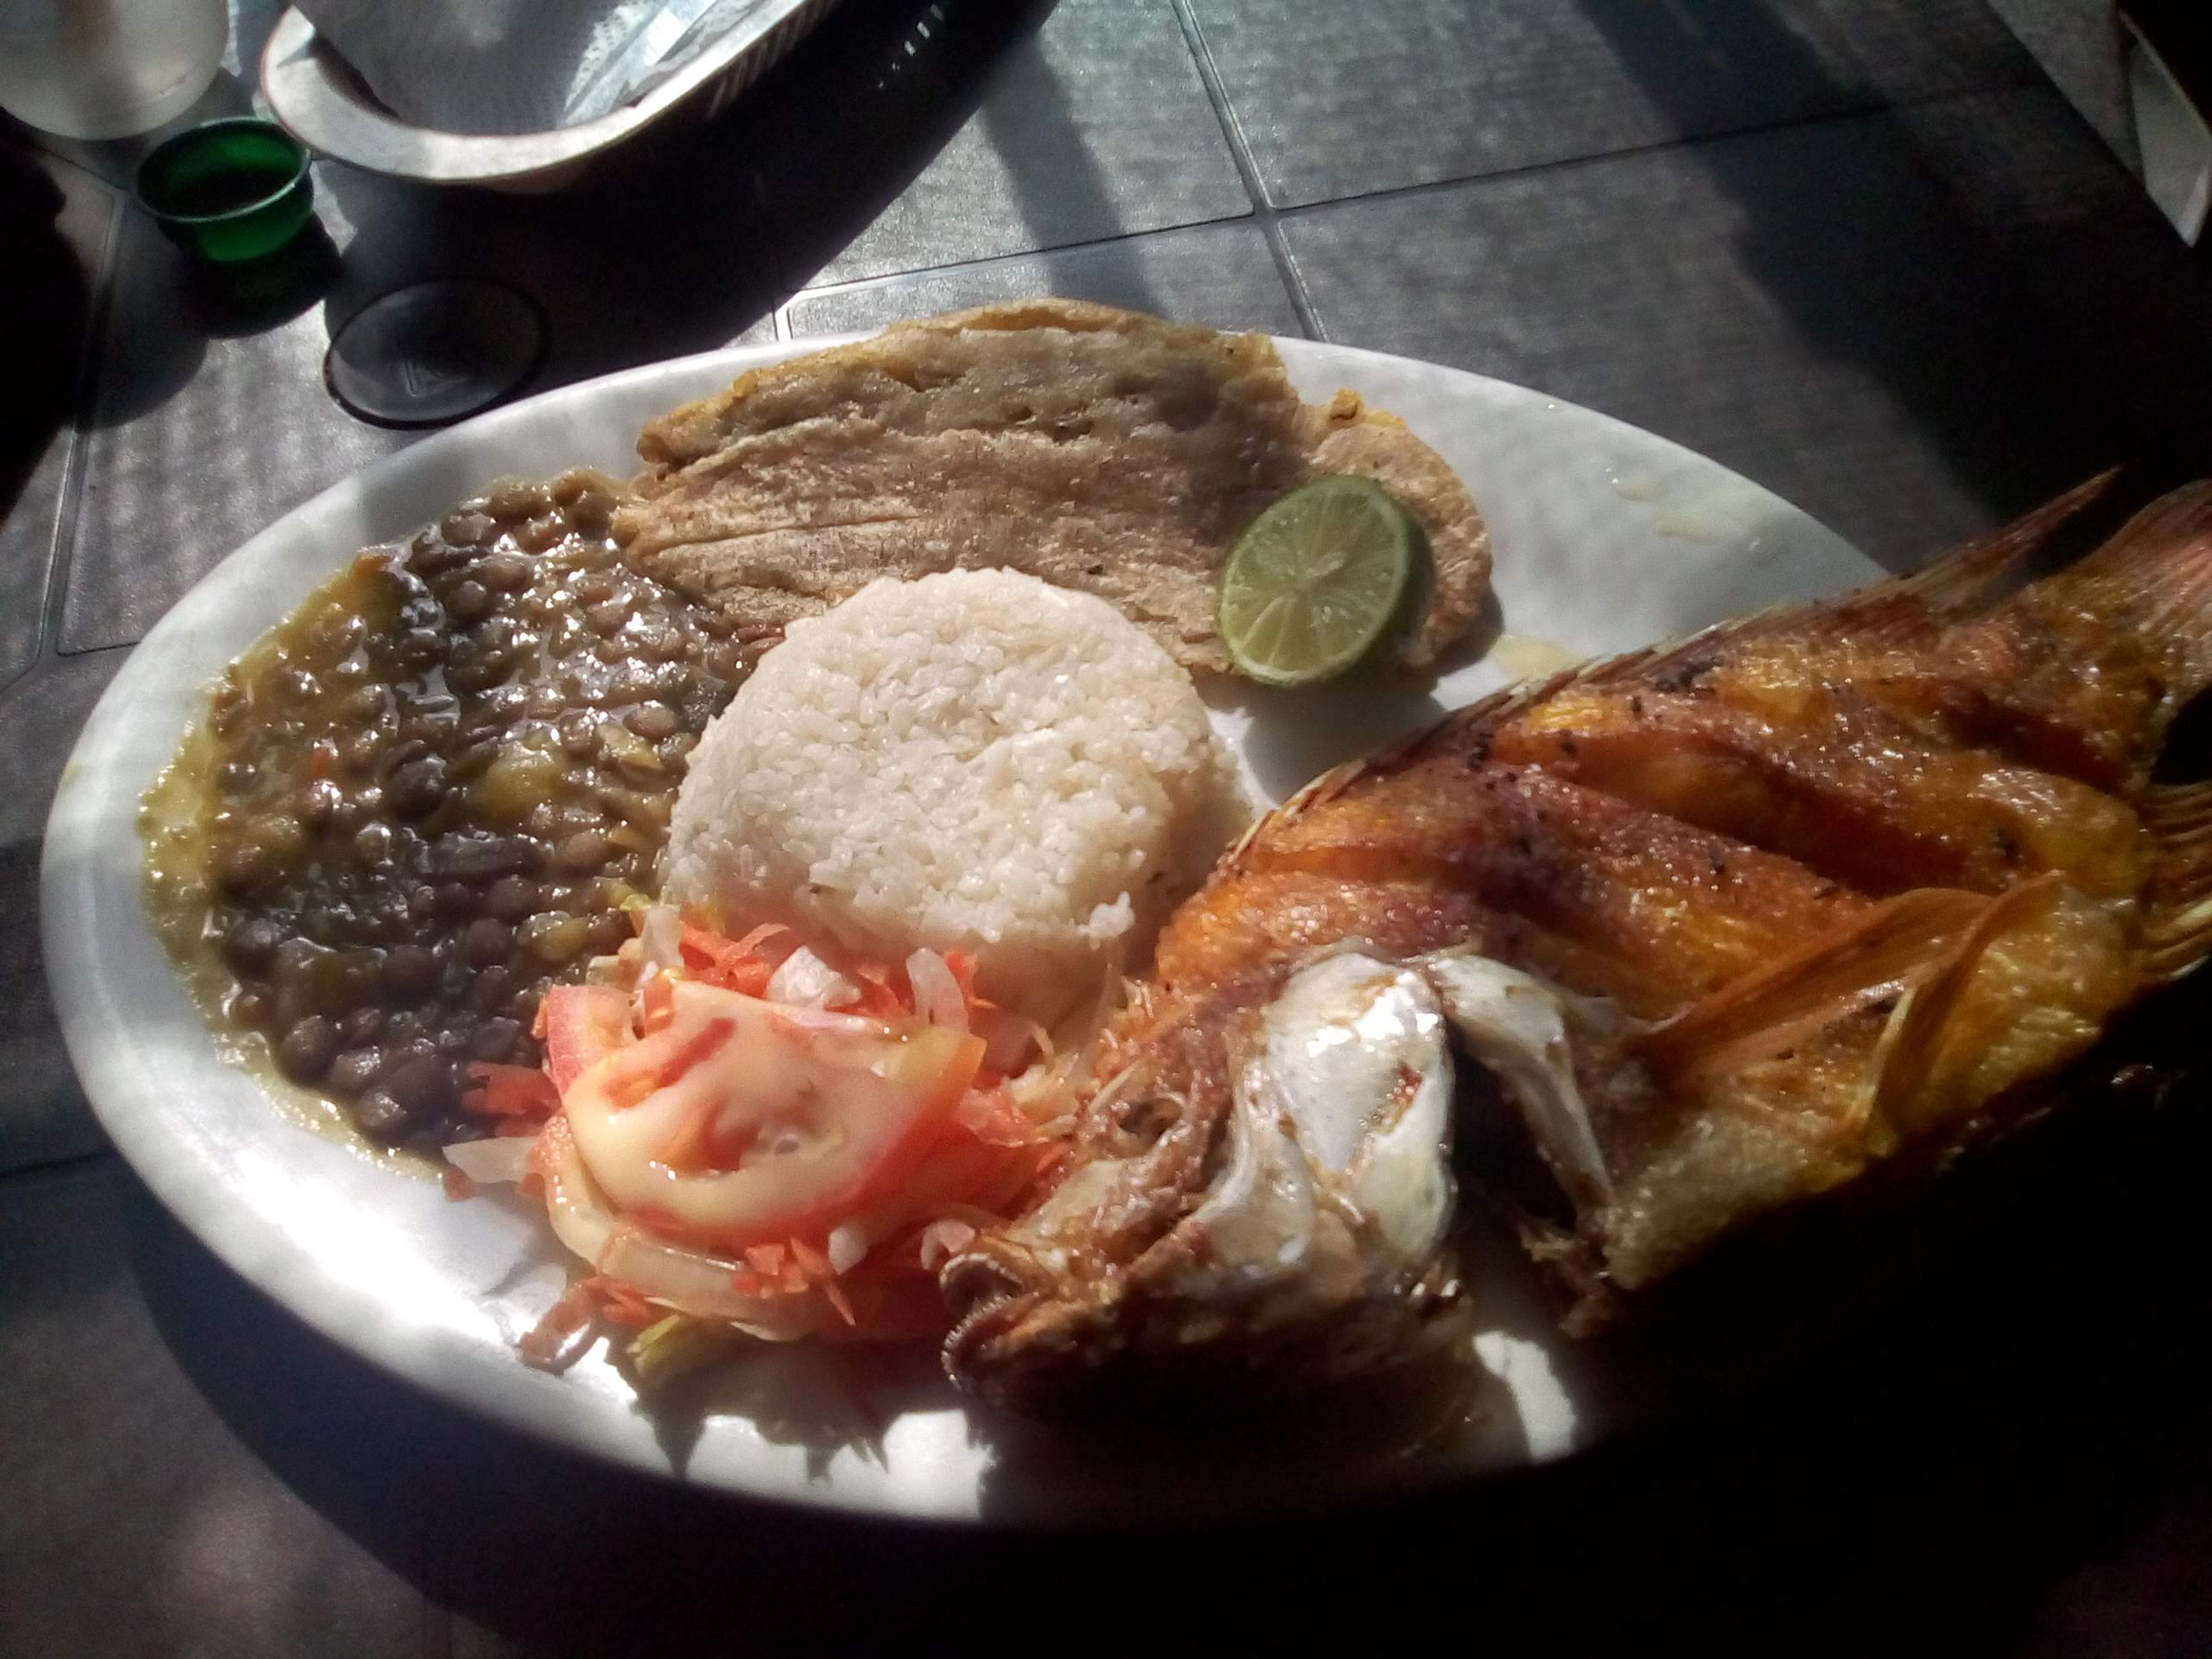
[(510, 898), (652, 720), (467, 528), (362, 704), (358, 753), (355, 1070), (250, 944), (319, 804), (427, 556), (305, 1052), (418, 787), (513, 498), (486, 942), (608, 617), (251, 1008), (469, 601), (423, 1086), (579, 734), (382, 1118), (491, 990), (554, 937), (363, 1025), (545, 531), (607, 932), (495, 1038), (409, 973), (457, 898), (585, 850), (505, 571)]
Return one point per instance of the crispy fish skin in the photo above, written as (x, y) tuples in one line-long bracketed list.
[(1815, 903), (1096, 449)]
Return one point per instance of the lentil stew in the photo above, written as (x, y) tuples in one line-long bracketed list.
[(433, 791)]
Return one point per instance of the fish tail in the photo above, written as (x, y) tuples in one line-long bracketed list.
[(2177, 907), (2154, 578)]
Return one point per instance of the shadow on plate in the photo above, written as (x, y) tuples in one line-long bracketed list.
[(2002, 1454)]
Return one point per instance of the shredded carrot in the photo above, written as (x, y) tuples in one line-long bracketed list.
[(621, 1304), (735, 965), (767, 1260), (546, 1343)]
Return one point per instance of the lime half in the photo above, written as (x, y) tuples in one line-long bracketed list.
[(1334, 572)]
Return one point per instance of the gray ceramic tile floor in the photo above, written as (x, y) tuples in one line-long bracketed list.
[(55, 293), (155, 1531), (1339, 100), (200, 438), (43, 1117), (1221, 274), (2078, 46), (1097, 126), (1838, 310)]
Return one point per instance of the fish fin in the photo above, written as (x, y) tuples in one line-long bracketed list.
[(1763, 1011), (2154, 577), (1893, 611), (2178, 908), (1961, 579), (2177, 807), (1906, 1056)]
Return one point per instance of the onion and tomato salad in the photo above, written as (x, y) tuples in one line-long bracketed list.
[(765, 1135)]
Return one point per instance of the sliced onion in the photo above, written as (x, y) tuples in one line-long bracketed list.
[(503, 1158), (684, 1279), (938, 997), (805, 981), (942, 1240), (661, 940), (847, 1246)]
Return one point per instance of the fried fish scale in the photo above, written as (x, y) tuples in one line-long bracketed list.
[(1726, 926)]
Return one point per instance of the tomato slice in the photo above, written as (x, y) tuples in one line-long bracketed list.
[(583, 1025), (744, 1122)]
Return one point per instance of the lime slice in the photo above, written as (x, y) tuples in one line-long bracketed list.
[(1335, 572)]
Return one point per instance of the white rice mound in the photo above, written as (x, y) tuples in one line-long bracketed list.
[(975, 760)]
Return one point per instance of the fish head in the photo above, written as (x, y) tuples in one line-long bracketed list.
[(1263, 1190)]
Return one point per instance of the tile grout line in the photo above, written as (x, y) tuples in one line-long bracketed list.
[(863, 284), (1827, 117), (1248, 168), (61, 550)]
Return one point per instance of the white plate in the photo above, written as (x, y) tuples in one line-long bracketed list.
[(1606, 539)]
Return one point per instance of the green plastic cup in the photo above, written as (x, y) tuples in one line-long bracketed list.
[(230, 191)]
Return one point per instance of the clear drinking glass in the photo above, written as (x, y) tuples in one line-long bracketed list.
[(107, 68)]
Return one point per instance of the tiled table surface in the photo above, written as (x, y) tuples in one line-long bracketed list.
[(1863, 251)]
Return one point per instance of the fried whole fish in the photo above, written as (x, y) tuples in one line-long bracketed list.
[(1096, 449), (1816, 896)]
